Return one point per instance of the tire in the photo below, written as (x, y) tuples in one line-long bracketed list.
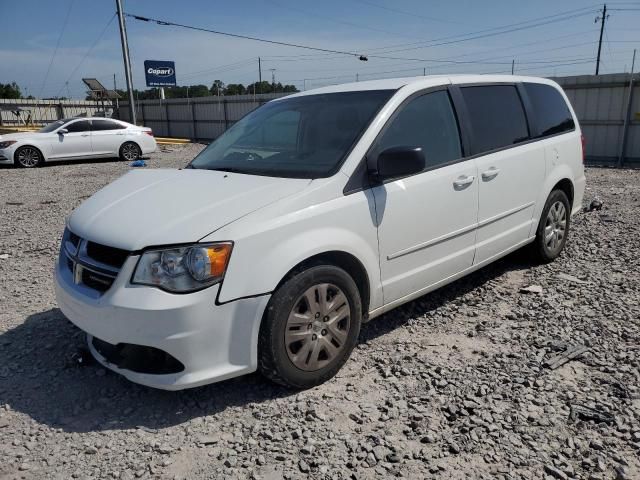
[(300, 344), (129, 151), (28, 157), (553, 228)]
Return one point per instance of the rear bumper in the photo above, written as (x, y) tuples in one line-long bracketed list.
[(578, 194), (212, 342)]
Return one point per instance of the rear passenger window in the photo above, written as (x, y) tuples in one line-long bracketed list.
[(551, 110), (98, 125), (428, 122), (496, 115), (79, 126)]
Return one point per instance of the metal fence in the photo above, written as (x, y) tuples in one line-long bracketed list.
[(602, 104), (15, 113), (201, 118)]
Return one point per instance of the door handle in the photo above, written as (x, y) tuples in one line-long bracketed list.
[(490, 174), (463, 181), (84, 135)]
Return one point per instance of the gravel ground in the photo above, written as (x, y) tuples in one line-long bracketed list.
[(453, 385)]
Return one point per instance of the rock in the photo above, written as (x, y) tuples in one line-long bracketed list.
[(555, 473), (537, 289), (303, 466)]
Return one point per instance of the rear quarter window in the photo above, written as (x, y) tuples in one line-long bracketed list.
[(552, 115), (496, 115)]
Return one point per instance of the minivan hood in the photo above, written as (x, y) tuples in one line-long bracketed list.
[(164, 207)]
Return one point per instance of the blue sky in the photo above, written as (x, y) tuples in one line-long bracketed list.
[(373, 27)]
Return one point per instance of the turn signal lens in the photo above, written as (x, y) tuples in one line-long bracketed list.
[(210, 261)]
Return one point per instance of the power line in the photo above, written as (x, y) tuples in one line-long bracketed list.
[(93, 45), (245, 37), (409, 14), (55, 51)]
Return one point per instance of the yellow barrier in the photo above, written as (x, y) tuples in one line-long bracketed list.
[(159, 140)]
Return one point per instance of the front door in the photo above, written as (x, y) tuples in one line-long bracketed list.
[(75, 143), (511, 169), (426, 222)]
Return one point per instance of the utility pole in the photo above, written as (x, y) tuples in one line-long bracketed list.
[(115, 89), (602, 19), (513, 66), (357, 77), (259, 75), (627, 117), (424, 72), (127, 62), (273, 80)]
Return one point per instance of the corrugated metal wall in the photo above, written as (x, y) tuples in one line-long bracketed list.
[(600, 102), (202, 118), (44, 111)]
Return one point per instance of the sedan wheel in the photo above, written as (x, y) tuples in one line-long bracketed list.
[(130, 152), (28, 157)]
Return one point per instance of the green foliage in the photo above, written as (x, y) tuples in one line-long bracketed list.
[(10, 90)]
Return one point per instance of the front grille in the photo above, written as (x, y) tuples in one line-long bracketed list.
[(97, 281), (91, 264), (113, 257)]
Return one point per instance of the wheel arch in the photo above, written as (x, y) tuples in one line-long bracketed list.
[(32, 145), (341, 259)]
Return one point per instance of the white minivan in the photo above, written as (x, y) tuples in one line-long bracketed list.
[(311, 215)]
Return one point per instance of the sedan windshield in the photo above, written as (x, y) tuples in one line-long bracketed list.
[(299, 137), (53, 126)]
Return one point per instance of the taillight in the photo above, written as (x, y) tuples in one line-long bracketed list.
[(584, 150), (149, 132)]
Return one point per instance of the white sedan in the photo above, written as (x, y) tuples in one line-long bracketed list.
[(77, 138)]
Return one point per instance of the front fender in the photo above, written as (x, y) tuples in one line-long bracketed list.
[(265, 251)]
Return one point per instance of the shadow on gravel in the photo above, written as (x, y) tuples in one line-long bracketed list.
[(39, 379)]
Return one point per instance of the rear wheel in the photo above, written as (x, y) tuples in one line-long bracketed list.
[(553, 227), (130, 151), (28, 157), (310, 327)]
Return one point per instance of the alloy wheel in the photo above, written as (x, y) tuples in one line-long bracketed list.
[(28, 157), (555, 226), (130, 152), (318, 327)]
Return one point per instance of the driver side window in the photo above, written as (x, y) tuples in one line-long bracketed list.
[(428, 122)]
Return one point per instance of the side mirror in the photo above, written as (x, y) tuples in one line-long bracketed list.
[(63, 131), (397, 162)]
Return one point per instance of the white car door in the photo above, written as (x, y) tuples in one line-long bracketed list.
[(511, 169), (107, 136), (426, 222), (75, 143)]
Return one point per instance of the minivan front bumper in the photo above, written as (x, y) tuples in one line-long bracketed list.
[(212, 342)]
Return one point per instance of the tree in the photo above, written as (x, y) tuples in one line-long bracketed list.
[(235, 89), (217, 88), (10, 90)]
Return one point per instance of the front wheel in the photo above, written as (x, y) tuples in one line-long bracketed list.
[(130, 151), (310, 327), (553, 227), (28, 157)]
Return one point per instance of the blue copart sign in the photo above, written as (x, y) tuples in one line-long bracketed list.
[(159, 73)]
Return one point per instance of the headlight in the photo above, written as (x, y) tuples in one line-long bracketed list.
[(7, 144), (183, 269)]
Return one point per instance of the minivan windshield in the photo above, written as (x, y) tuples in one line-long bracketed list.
[(299, 137)]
